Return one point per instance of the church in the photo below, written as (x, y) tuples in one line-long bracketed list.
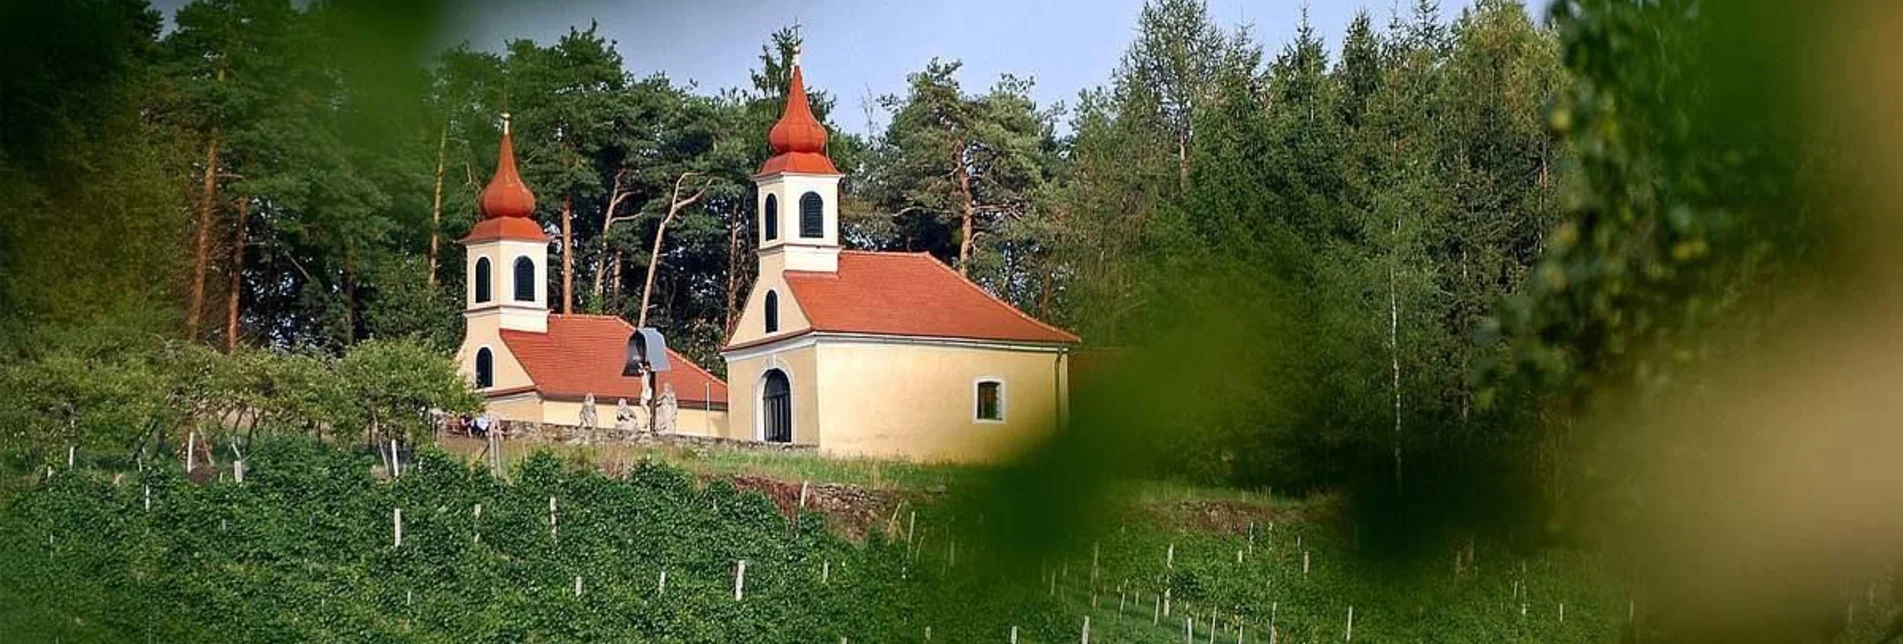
[(856, 353)]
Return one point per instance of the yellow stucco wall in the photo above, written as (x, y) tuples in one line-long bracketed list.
[(752, 324), (746, 377), (523, 407), (919, 402), (483, 329), (904, 399)]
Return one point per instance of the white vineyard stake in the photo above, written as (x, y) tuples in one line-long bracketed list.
[(577, 585), (663, 589), (1351, 625), (1086, 639), (740, 580), (396, 521)]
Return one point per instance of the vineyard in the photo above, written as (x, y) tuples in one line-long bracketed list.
[(312, 547)]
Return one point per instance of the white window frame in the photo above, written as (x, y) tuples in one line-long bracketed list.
[(1003, 400), (759, 402)]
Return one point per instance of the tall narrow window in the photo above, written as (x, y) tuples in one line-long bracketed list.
[(990, 399), (485, 368), (770, 222), (524, 279), (812, 215), (776, 408), (772, 312), (482, 280)]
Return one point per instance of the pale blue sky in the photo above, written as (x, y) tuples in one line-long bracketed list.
[(860, 49)]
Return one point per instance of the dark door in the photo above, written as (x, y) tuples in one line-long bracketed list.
[(777, 404)]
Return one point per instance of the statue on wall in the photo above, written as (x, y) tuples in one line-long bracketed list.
[(667, 411), (589, 418), (624, 415)]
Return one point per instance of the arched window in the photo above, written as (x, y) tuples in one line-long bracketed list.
[(485, 368), (776, 408), (770, 222), (482, 280), (812, 215), (772, 312), (989, 396), (524, 279)]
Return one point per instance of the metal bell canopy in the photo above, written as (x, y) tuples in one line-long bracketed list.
[(647, 351)]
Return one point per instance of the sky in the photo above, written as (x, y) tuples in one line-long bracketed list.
[(862, 49)]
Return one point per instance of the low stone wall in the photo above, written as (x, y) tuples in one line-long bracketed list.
[(577, 435)]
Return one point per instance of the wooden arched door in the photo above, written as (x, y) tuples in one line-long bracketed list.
[(776, 408)]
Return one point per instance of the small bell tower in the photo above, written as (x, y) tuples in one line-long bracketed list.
[(507, 261), (798, 191)]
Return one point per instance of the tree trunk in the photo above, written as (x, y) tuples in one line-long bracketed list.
[(654, 261), (1394, 347), (436, 207), (608, 219), (614, 282), (236, 290), (733, 274), (970, 211), (1182, 162), (350, 298), (201, 245), (674, 207), (568, 254)]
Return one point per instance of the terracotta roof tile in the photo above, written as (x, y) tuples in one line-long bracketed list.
[(910, 294), (583, 354)]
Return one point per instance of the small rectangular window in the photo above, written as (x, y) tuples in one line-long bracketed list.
[(990, 400)]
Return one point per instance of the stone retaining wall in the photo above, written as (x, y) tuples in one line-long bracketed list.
[(577, 435)]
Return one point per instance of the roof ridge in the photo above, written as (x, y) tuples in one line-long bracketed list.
[(686, 361), (1000, 301)]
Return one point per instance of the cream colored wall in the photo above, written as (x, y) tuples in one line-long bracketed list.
[(695, 420), (525, 407), (752, 325), (918, 401), (482, 329), (745, 379)]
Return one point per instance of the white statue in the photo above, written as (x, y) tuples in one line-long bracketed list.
[(667, 411), (624, 415), (589, 418)]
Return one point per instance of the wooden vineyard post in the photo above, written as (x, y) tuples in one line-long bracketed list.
[(740, 580)]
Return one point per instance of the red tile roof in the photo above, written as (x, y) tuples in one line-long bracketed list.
[(910, 294), (583, 354)]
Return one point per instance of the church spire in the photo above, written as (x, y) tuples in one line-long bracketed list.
[(798, 140), (506, 195)]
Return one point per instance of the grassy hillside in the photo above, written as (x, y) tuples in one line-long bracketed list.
[(305, 550)]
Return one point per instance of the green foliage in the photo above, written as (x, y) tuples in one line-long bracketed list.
[(305, 549), (118, 396)]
